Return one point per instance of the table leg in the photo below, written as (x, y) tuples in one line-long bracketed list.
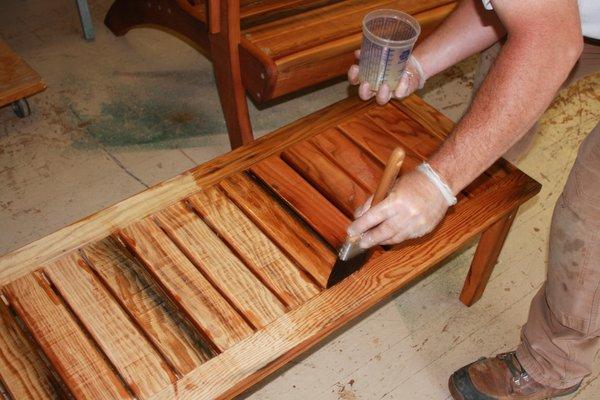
[(86, 19), (486, 255)]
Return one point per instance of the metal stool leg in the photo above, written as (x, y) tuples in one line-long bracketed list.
[(86, 20)]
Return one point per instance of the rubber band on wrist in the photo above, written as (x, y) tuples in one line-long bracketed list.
[(433, 176)]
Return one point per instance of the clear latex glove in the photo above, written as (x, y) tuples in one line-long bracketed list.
[(412, 79), (413, 208)]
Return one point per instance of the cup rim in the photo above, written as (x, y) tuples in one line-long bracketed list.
[(391, 13)]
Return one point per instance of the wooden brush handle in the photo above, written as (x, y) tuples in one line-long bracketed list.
[(390, 174)]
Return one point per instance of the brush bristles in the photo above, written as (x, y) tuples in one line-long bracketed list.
[(350, 249)]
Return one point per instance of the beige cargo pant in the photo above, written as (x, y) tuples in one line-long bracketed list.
[(562, 335)]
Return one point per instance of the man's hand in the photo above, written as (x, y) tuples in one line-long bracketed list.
[(412, 79), (413, 208)]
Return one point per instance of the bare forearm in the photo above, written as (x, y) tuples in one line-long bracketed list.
[(468, 30), (517, 90)]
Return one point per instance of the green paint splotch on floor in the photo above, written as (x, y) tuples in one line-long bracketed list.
[(122, 123)]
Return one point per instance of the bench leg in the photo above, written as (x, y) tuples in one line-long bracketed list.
[(486, 255)]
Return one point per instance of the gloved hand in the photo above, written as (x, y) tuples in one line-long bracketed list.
[(412, 79), (412, 209)]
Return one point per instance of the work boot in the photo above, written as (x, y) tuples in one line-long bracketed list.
[(500, 378)]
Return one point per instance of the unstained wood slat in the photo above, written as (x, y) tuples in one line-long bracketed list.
[(220, 265), (146, 303), (76, 359), (266, 260), (22, 371), (138, 363), (350, 157), (188, 288), (315, 209), (282, 228), (340, 188)]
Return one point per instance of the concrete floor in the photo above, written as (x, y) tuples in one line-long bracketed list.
[(121, 114)]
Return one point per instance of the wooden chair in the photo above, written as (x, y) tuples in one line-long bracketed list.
[(267, 48)]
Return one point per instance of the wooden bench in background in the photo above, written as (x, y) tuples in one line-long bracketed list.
[(268, 48), (203, 285), (17, 81)]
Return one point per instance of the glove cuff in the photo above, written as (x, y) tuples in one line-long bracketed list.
[(419, 68), (433, 176)]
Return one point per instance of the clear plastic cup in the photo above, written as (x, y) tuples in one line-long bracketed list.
[(388, 39)]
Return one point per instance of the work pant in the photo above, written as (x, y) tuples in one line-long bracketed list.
[(562, 335)]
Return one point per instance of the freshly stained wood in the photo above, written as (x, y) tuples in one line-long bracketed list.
[(377, 142), (22, 371), (147, 305), (407, 131), (315, 209), (138, 363), (267, 261), (220, 265), (329, 179), (350, 157), (75, 357), (188, 288), (302, 328), (290, 235), (17, 79), (305, 30)]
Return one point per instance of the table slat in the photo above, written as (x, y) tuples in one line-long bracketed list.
[(75, 357), (328, 178), (147, 304), (210, 313), (285, 279), (140, 365), (220, 265), (22, 370), (314, 209), (274, 220), (350, 157)]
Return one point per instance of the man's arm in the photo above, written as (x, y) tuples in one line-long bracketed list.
[(544, 42), (468, 30)]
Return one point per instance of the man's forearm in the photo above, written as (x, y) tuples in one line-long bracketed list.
[(468, 30), (523, 81)]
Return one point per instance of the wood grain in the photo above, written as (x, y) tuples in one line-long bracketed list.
[(288, 337), (265, 259), (377, 142), (75, 357), (204, 306), (22, 371), (225, 271), (290, 235), (407, 131), (104, 222), (327, 59), (301, 31), (350, 157), (138, 363), (325, 176), (306, 201), (17, 79), (137, 292)]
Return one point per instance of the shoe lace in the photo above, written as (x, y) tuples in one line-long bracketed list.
[(516, 369)]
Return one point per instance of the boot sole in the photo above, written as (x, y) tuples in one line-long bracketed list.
[(457, 396)]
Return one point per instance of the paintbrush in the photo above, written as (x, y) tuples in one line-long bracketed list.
[(351, 256)]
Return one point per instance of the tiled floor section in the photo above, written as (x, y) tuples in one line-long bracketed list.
[(124, 113)]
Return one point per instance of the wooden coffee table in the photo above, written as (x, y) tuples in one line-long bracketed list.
[(203, 285)]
